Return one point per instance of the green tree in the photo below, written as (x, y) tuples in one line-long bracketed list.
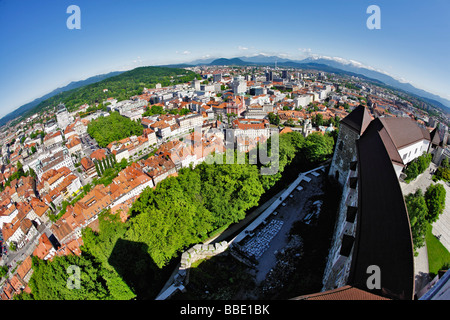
[(274, 118), (442, 173), (113, 128), (50, 279), (318, 147), (100, 167), (31, 173), (154, 110), (3, 271), (445, 163), (170, 217), (105, 163), (423, 162), (318, 120), (230, 190), (97, 169), (100, 245), (417, 211), (412, 171), (435, 200)]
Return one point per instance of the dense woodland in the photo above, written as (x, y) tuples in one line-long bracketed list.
[(133, 259), (113, 128)]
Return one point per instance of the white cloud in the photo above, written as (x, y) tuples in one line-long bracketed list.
[(242, 48), (305, 50), (185, 52)]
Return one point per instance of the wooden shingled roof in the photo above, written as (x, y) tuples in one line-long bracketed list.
[(358, 119)]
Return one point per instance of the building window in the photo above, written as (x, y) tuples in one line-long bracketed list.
[(404, 156)]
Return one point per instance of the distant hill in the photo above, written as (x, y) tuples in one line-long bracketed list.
[(120, 86), (228, 62), (340, 66), (261, 58), (388, 80), (73, 85)]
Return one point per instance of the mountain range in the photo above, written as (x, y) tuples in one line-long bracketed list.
[(335, 65), (326, 64), (72, 85)]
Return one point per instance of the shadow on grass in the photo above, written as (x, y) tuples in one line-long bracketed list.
[(218, 278), (133, 263)]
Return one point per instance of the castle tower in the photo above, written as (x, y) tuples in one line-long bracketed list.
[(351, 128)]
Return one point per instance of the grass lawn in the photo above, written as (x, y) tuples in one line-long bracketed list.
[(438, 255)]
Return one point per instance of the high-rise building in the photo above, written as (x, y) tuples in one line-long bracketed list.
[(217, 77), (239, 85), (269, 75)]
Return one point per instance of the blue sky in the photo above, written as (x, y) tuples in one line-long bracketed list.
[(38, 53)]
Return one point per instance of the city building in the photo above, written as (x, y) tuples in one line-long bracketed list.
[(239, 85), (63, 118)]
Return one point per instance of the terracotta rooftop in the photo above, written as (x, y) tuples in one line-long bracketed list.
[(343, 293)]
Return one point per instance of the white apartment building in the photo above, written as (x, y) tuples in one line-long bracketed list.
[(239, 85), (63, 117), (189, 122), (303, 100)]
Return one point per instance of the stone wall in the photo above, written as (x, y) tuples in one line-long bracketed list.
[(201, 251), (338, 266), (197, 252), (345, 152)]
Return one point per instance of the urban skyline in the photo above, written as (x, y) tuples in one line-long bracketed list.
[(41, 54)]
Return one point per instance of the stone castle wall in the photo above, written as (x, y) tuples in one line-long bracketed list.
[(345, 152), (201, 251)]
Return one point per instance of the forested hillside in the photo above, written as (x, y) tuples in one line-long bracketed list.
[(120, 87)]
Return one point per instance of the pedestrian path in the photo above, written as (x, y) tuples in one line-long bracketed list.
[(441, 228)]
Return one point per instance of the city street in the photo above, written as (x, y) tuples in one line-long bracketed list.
[(13, 257)]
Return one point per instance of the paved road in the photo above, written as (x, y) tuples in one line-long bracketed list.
[(13, 257)]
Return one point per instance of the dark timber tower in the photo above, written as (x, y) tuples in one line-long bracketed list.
[(351, 128)]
